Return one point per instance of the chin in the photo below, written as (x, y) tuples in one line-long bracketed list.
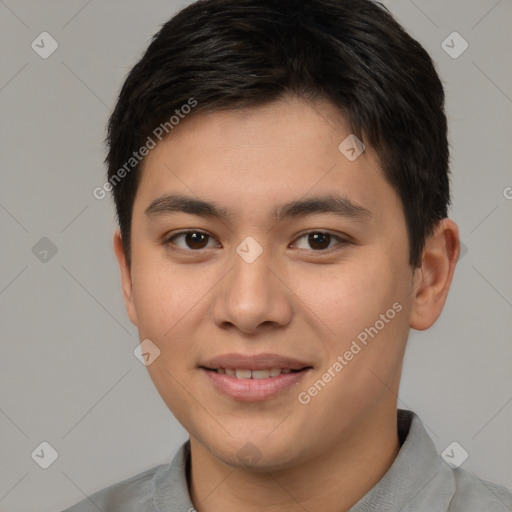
[(255, 453)]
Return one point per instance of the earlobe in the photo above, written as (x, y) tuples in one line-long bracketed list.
[(434, 277), (126, 278)]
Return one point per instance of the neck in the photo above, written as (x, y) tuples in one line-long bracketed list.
[(333, 481)]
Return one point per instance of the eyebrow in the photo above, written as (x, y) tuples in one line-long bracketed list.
[(336, 204)]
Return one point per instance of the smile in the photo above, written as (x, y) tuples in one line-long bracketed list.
[(244, 385), (252, 374)]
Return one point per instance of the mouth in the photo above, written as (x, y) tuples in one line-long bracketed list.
[(246, 374), (248, 378), (253, 378)]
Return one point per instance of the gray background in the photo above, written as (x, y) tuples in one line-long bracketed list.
[(68, 375)]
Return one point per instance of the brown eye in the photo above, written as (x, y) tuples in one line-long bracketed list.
[(319, 241), (193, 240)]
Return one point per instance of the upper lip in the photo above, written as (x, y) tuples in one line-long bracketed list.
[(254, 362)]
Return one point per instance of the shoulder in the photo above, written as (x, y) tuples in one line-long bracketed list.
[(135, 494), (474, 494)]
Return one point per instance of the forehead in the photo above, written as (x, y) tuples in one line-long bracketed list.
[(250, 160)]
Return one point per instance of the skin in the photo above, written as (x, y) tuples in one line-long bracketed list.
[(195, 303)]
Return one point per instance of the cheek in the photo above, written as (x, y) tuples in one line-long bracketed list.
[(349, 298), (161, 298), (152, 297), (364, 307)]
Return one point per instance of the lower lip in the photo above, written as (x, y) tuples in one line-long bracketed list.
[(250, 390)]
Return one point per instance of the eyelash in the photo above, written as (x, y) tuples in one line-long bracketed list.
[(341, 241)]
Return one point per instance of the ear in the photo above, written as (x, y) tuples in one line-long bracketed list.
[(126, 277), (433, 278)]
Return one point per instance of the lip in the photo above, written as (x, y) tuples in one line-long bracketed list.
[(254, 362), (251, 390)]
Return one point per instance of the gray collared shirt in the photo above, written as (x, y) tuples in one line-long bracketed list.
[(419, 480)]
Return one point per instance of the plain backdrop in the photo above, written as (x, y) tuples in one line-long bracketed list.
[(68, 375)]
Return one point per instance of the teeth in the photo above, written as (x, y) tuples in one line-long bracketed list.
[(260, 374), (254, 374)]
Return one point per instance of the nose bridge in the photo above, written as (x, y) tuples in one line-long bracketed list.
[(249, 289), (251, 295)]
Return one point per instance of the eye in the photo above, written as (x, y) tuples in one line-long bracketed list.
[(194, 240), (320, 240)]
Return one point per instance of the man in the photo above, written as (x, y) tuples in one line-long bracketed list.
[(280, 173)]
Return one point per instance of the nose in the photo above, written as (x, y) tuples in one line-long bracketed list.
[(252, 297)]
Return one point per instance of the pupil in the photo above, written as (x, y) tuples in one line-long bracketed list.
[(194, 239), (322, 240), (319, 238)]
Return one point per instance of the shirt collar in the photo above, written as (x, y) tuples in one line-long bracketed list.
[(170, 483), (417, 478)]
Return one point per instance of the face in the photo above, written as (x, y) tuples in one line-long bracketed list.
[(314, 297)]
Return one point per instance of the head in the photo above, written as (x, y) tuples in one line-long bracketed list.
[(234, 126)]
